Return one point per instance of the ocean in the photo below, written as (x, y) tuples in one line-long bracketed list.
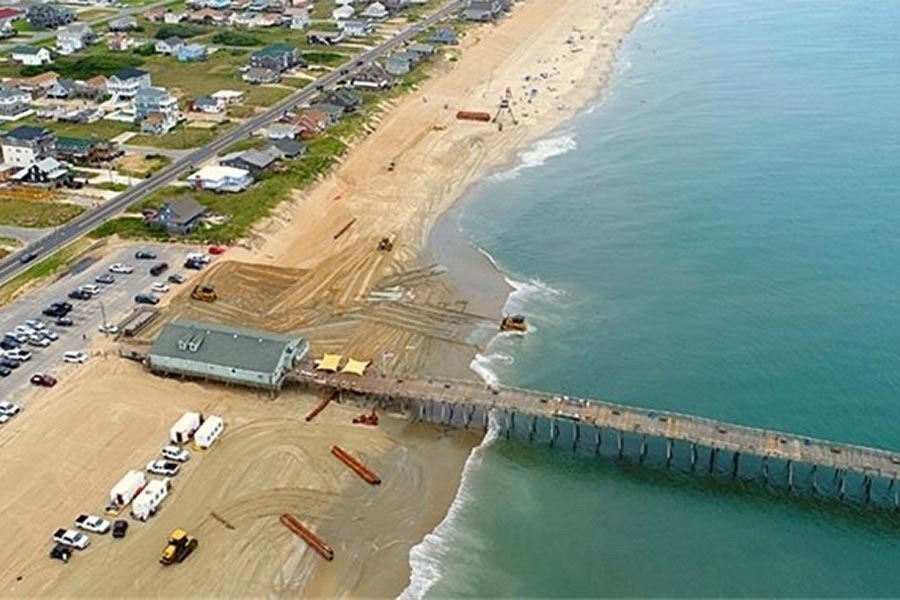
[(718, 235)]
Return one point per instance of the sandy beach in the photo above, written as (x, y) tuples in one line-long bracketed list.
[(397, 309)]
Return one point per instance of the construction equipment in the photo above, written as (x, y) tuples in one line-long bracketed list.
[(386, 244), (180, 546), (204, 293), (370, 419), (513, 323), (504, 107)]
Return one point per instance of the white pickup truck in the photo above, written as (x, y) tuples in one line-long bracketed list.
[(72, 538)]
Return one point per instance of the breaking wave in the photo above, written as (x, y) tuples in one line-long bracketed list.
[(538, 154), (426, 557)]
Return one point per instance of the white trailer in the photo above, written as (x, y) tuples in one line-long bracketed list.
[(147, 502), (184, 428), (209, 432), (128, 487)]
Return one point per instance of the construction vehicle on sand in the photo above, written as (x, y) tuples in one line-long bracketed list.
[(386, 244), (370, 419), (513, 323), (204, 293), (179, 547)]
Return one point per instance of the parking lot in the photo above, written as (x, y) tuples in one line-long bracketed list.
[(115, 301)]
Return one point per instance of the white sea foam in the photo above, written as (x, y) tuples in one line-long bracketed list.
[(527, 293), (426, 558), (539, 153)]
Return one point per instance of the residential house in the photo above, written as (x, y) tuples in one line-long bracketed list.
[(400, 63), (49, 16), (333, 112), (325, 38), (121, 24), (345, 2), (310, 123), (290, 148), (179, 217), (375, 11), (169, 45), (479, 15), (191, 53), (299, 18), (221, 179), (120, 42), (37, 85), (483, 10), (62, 90), (356, 28), (73, 38), (344, 98), (304, 4), (218, 4), (208, 16), (278, 57), (282, 131), (421, 50), (228, 96), (156, 15), (174, 17), (444, 36), (394, 5), (208, 104), (254, 161), (258, 76), (156, 110), (98, 83), (124, 84), (373, 77), (86, 151), (258, 5), (30, 56), (26, 144), (251, 20), (8, 14), (46, 172), (14, 103), (342, 13)]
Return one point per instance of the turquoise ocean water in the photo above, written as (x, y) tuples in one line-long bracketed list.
[(721, 236)]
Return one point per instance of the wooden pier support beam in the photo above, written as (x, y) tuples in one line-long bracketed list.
[(621, 443), (643, 449), (765, 468), (867, 489), (575, 437), (598, 440), (485, 415), (512, 420), (815, 479), (790, 475), (669, 451), (693, 455), (735, 464), (712, 460), (893, 492), (554, 432), (841, 484), (531, 427)]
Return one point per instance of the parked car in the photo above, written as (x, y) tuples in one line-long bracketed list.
[(145, 255), (92, 523), (9, 408), (19, 337), (109, 328), (49, 334), (61, 552), (146, 299), (79, 294), (71, 538), (36, 340), (120, 528), (160, 287), (75, 356), (18, 354), (176, 278), (199, 257), (43, 379), (194, 265), (4, 418), (5, 371), (105, 278), (58, 309), (24, 330), (10, 363), (64, 322), (121, 268), (35, 324), (27, 257), (176, 453), (158, 269), (163, 467), (216, 250), (9, 343), (92, 289)]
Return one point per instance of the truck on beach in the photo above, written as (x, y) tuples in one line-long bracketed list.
[(127, 488), (185, 427), (209, 432), (148, 501)]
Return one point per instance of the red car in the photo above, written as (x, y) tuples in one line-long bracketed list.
[(215, 250), (43, 379)]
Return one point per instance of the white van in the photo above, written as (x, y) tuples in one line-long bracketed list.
[(127, 488), (184, 428), (147, 502), (209, 432), (74, 356)]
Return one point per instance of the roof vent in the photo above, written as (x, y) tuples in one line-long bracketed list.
[(195, 343)]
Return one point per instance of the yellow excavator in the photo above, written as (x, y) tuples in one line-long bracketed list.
[(204, 293), (179, 547)]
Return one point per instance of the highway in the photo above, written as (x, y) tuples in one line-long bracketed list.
[(90, 220)]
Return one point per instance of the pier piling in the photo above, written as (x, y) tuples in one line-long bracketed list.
[(790, 475), (712, 460), (531, 427), (693, 455), (765, 468), (735, 464), (598, 440), (814, 474), (669, 444), (621, 444), (575, 436), (643, 450)]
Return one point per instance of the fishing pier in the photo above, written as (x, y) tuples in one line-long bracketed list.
[(666, 439)]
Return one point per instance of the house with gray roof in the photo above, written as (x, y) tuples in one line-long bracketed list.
[(126, 23), (224, 353), (15, 104), (444, 36), (179, 217)]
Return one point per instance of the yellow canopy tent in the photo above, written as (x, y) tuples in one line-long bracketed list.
[(329, 362), (357, 367)]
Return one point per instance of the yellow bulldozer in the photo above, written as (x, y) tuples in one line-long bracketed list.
[(178, 548), (204, 293)]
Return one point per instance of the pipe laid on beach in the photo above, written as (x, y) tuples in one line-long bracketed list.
[(321, 406), (315, 542), (471, 115), (345, 228), (357, 467)]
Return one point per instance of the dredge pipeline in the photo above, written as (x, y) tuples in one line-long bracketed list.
[(329, 396), (315, 542), (357, 467)]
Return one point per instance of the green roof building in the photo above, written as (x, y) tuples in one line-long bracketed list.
[(227, 354)]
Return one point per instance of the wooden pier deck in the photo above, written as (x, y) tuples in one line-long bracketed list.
[(476, 400)]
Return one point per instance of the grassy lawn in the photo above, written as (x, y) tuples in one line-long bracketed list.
[(102, 129), (198, 78), (180, 138), (42, 270), (110, 186), (264, 95), (21, 213), (90, 15)]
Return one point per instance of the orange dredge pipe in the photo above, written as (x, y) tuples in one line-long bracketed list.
[(355, 465), (320, 407), (315, 542)]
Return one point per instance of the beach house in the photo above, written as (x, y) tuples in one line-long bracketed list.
[(208, 104), (400, 63), (122, 24), (169, 45), (191, 53), (86, 150), (124, 84), (73, 38), (26, 144), (443, 36), (49, 16), (375, 12), (253, 160), (342, 13), (221, 179), (179, 217), (299, 17), (260, 76), (14, 103), (278, 57), (156, 110), (30, 56), (356, 28), (372, 77)]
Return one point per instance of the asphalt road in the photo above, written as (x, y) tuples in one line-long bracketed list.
[(11, 266), (116, 301)]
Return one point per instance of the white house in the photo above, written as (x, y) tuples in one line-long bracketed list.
[(124, 84), (299, 17), (72, 38), (342, 14), (354, 28), (26, 145), (221, 179), (168, 45), (174, 17), (14, 103), (375, 11), (31, 56)]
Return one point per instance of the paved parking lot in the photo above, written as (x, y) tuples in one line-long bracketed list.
[(115, 300)]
